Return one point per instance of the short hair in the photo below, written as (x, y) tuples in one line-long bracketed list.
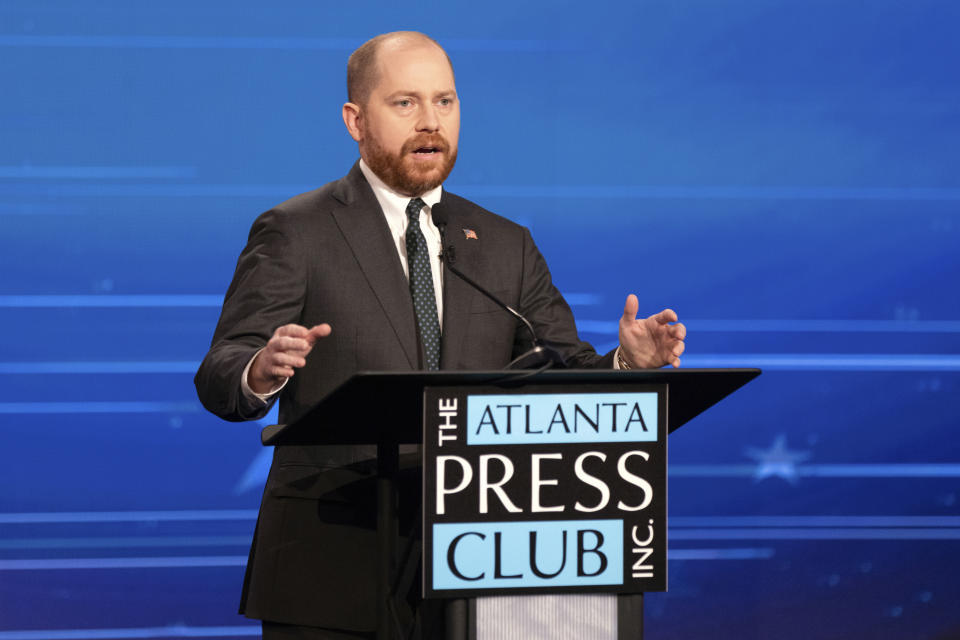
[(362, 65)]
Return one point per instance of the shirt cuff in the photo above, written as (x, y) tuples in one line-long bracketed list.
[(616, 359), (250, 394)]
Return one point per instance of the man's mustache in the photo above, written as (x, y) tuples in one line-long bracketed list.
[(426, 141)]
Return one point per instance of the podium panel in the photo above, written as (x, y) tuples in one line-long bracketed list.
[(546, 489), (553, 617)]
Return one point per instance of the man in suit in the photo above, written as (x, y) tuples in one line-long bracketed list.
[(347, 278)]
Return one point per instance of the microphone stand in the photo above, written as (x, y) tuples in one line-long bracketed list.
[(540, 356)]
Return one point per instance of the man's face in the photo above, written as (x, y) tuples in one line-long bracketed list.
[(411, 122)]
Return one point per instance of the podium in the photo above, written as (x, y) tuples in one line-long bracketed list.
[(522, 468)]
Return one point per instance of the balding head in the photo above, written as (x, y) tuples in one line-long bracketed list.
[(362, 68), (403, 111)]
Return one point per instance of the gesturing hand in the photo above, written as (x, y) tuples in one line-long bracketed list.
[(286, 350), (652, 342)]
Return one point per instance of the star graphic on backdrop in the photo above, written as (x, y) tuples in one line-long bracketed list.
[(778, 460)]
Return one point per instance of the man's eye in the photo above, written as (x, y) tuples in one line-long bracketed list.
[(403, 103), (445, 102)]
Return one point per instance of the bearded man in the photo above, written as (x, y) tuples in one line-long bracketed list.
[(348, 278)]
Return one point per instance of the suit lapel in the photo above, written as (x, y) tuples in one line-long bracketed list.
[(458, 295), (364, 228)]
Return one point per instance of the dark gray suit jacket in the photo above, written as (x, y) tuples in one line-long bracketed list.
[(327, 256)]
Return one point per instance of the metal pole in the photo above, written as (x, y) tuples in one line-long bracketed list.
[(457, 619), (387, 533), (630, 616)]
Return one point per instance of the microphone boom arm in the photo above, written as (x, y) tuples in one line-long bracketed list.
[(540, 356)]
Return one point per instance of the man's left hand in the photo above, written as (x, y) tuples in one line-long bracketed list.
[(652, 342)]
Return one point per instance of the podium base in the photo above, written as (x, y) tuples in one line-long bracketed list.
[(547, 617)]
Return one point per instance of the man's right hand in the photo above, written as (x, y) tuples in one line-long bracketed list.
[(287, 350)]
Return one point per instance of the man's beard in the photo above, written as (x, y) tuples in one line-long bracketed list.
[(402, 173)]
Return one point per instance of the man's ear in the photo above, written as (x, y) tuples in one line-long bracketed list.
[(352, 118)]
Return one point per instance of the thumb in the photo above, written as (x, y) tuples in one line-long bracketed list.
[(318, 331), (630, 308)]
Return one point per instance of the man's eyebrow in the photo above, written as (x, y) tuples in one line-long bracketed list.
[(446, 93), (404, 92)]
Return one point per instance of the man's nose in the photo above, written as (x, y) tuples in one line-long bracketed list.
[(428, 121)]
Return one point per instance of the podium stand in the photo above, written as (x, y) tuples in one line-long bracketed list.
[(354, 413)]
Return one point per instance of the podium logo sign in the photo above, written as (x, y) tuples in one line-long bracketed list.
[(553, 418), (550, 491)]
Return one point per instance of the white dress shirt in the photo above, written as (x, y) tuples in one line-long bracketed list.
[(394, 207)]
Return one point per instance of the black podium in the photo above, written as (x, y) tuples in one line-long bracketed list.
[(519, 424)]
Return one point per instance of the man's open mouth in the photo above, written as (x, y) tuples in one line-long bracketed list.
[(427, 150)]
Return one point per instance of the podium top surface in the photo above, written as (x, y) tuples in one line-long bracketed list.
[(373, 407)]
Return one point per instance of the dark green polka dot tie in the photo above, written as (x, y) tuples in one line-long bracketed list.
[(421, 287)]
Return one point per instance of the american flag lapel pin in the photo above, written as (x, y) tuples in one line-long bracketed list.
[(470, 234)]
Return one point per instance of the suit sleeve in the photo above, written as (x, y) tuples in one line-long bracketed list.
[(267, 291), (550, 315)]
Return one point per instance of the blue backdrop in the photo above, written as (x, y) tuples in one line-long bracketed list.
[(781, 173)]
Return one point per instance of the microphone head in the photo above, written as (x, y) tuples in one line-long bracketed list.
[(439, 214)]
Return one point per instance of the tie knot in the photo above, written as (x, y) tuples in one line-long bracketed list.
[(413, 209)]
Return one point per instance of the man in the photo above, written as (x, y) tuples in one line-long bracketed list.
[(348, 278)]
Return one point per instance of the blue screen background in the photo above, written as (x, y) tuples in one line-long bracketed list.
[(783, 174)]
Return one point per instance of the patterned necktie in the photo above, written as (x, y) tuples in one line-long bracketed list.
[(421, 287)]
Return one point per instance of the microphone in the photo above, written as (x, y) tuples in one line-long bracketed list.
[(540, 355)]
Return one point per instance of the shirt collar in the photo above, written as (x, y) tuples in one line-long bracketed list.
[(391, 201)]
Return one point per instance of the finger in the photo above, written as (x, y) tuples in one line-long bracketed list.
[(678, 331), (292, 330), (678, 349), (676, 363), (665, 316), (630, 308), (318, 331), (284, 344), (280, 371), (288, 360)]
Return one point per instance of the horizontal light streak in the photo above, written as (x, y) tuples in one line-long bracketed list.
[(150, 190), (859, 470), (881, 470), (607, 327), (763, 553), (182, 515), (206, 515), (768, 361), (128, 542), (582, 299), (815, 521), (607, 192), (173, 562), (132, 542), (827, 361), (260, 42), (96, 407), (80, 367), (855, 533), (564, 192), (149, 300), (172, 631), (675, 534), (189, 562), (111, 301), (79, 172), (42, 209)]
